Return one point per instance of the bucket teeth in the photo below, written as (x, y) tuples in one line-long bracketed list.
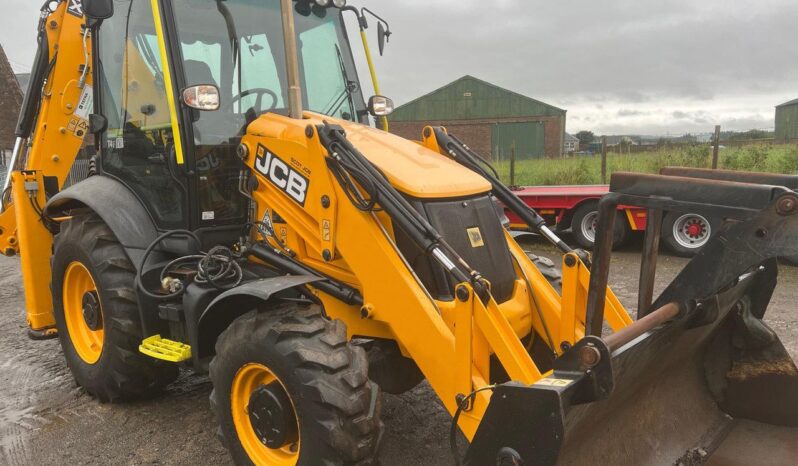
[(166, 350)]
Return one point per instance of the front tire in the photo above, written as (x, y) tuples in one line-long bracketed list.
[(314, 404), (96, 314)]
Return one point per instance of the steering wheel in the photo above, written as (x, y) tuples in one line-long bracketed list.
[(260, 92)]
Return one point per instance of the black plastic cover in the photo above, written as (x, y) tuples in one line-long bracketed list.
[(473, 228)]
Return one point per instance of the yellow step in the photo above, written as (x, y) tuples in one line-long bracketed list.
[(166, 350)]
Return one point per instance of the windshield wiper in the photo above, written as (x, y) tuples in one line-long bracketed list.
[(232, 35), (347, 95)]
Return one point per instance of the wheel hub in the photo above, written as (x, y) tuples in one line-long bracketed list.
[(91, 311), (272, 416), (694, 230)]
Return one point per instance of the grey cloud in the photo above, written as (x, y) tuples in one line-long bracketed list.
[(624, 112), (611, 56)]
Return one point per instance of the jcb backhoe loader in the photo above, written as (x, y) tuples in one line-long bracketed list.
[(235, 214)]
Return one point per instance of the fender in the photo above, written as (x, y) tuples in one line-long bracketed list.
[(232, 304), (116, 204)]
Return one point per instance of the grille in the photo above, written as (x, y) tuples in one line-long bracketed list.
[(473, 228)]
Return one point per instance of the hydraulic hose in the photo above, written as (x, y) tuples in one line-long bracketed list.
[(463, 155)]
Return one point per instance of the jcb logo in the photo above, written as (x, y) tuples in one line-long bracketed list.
[(75, 8), (281, 175)]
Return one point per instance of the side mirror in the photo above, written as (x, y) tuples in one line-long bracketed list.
[(383, 36), (204, 97), (97, 123), (98, 9), (380, 106)]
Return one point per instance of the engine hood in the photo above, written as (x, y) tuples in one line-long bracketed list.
[(411, 168)]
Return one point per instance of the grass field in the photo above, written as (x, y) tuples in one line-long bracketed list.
[(587, 169)]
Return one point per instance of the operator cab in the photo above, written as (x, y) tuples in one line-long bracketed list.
[(181, 162)]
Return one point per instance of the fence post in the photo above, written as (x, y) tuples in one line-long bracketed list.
[(716, 147), (512, 165), (603, 159)]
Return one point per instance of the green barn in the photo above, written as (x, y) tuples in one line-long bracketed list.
[(787, 121), (490, 119)]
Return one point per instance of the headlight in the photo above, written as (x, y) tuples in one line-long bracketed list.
[(339, 3), (324, 3), (380, 106)]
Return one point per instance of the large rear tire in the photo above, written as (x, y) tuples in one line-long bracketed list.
[(585, 221), (96, 314), (313, 401)]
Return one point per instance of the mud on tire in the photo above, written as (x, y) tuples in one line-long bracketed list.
[(121, 372), (326, 377)]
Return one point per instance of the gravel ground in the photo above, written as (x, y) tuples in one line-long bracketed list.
[(46, 419)]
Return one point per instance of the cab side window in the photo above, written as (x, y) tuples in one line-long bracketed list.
[(139, 142)]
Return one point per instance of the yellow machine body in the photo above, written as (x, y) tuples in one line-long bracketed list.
[(455, 343)]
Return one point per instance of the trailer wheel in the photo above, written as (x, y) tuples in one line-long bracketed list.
[(585, 222), (686, 234), (289, 388), (97, 317)]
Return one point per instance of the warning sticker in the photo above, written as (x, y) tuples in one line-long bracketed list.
[(75, 8), (85, 104), (78, 127), (555, 382), (325, 230)]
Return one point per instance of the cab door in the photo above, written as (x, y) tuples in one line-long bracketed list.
[(141, 146)]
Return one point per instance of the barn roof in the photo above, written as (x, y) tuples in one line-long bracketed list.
[(10, 102), (470, 98), (792, 102)]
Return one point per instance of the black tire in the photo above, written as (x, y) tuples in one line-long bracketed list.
[(792, 260), (682, 242), (121, 373), (549, 270), (583, 227), (324, 375), (388, 368)]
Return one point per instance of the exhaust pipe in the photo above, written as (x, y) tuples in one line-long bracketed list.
[(292, 60)]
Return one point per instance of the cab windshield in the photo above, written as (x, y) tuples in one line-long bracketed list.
[(237, 45)]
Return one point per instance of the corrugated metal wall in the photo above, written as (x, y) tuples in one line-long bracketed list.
[(528, 138), (787, 122)]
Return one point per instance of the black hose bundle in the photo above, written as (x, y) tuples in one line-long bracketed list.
[(218, 267)]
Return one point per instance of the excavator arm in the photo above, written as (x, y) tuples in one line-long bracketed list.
[(50, 132)]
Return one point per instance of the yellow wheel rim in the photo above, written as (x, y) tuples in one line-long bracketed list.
[(83, 313), (248, 379)]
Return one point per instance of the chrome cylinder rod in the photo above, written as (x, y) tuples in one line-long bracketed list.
[(12, 165)]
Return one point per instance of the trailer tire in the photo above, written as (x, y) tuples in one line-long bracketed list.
[(584, 223), (97, 317), (685, 234), (330, 410)]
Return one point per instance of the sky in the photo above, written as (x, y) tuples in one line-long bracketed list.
[(617, 66)]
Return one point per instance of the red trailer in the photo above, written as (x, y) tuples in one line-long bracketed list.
[(575, 209)]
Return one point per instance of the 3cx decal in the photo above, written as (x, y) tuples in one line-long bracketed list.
[(280, 174), (75, 8)]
